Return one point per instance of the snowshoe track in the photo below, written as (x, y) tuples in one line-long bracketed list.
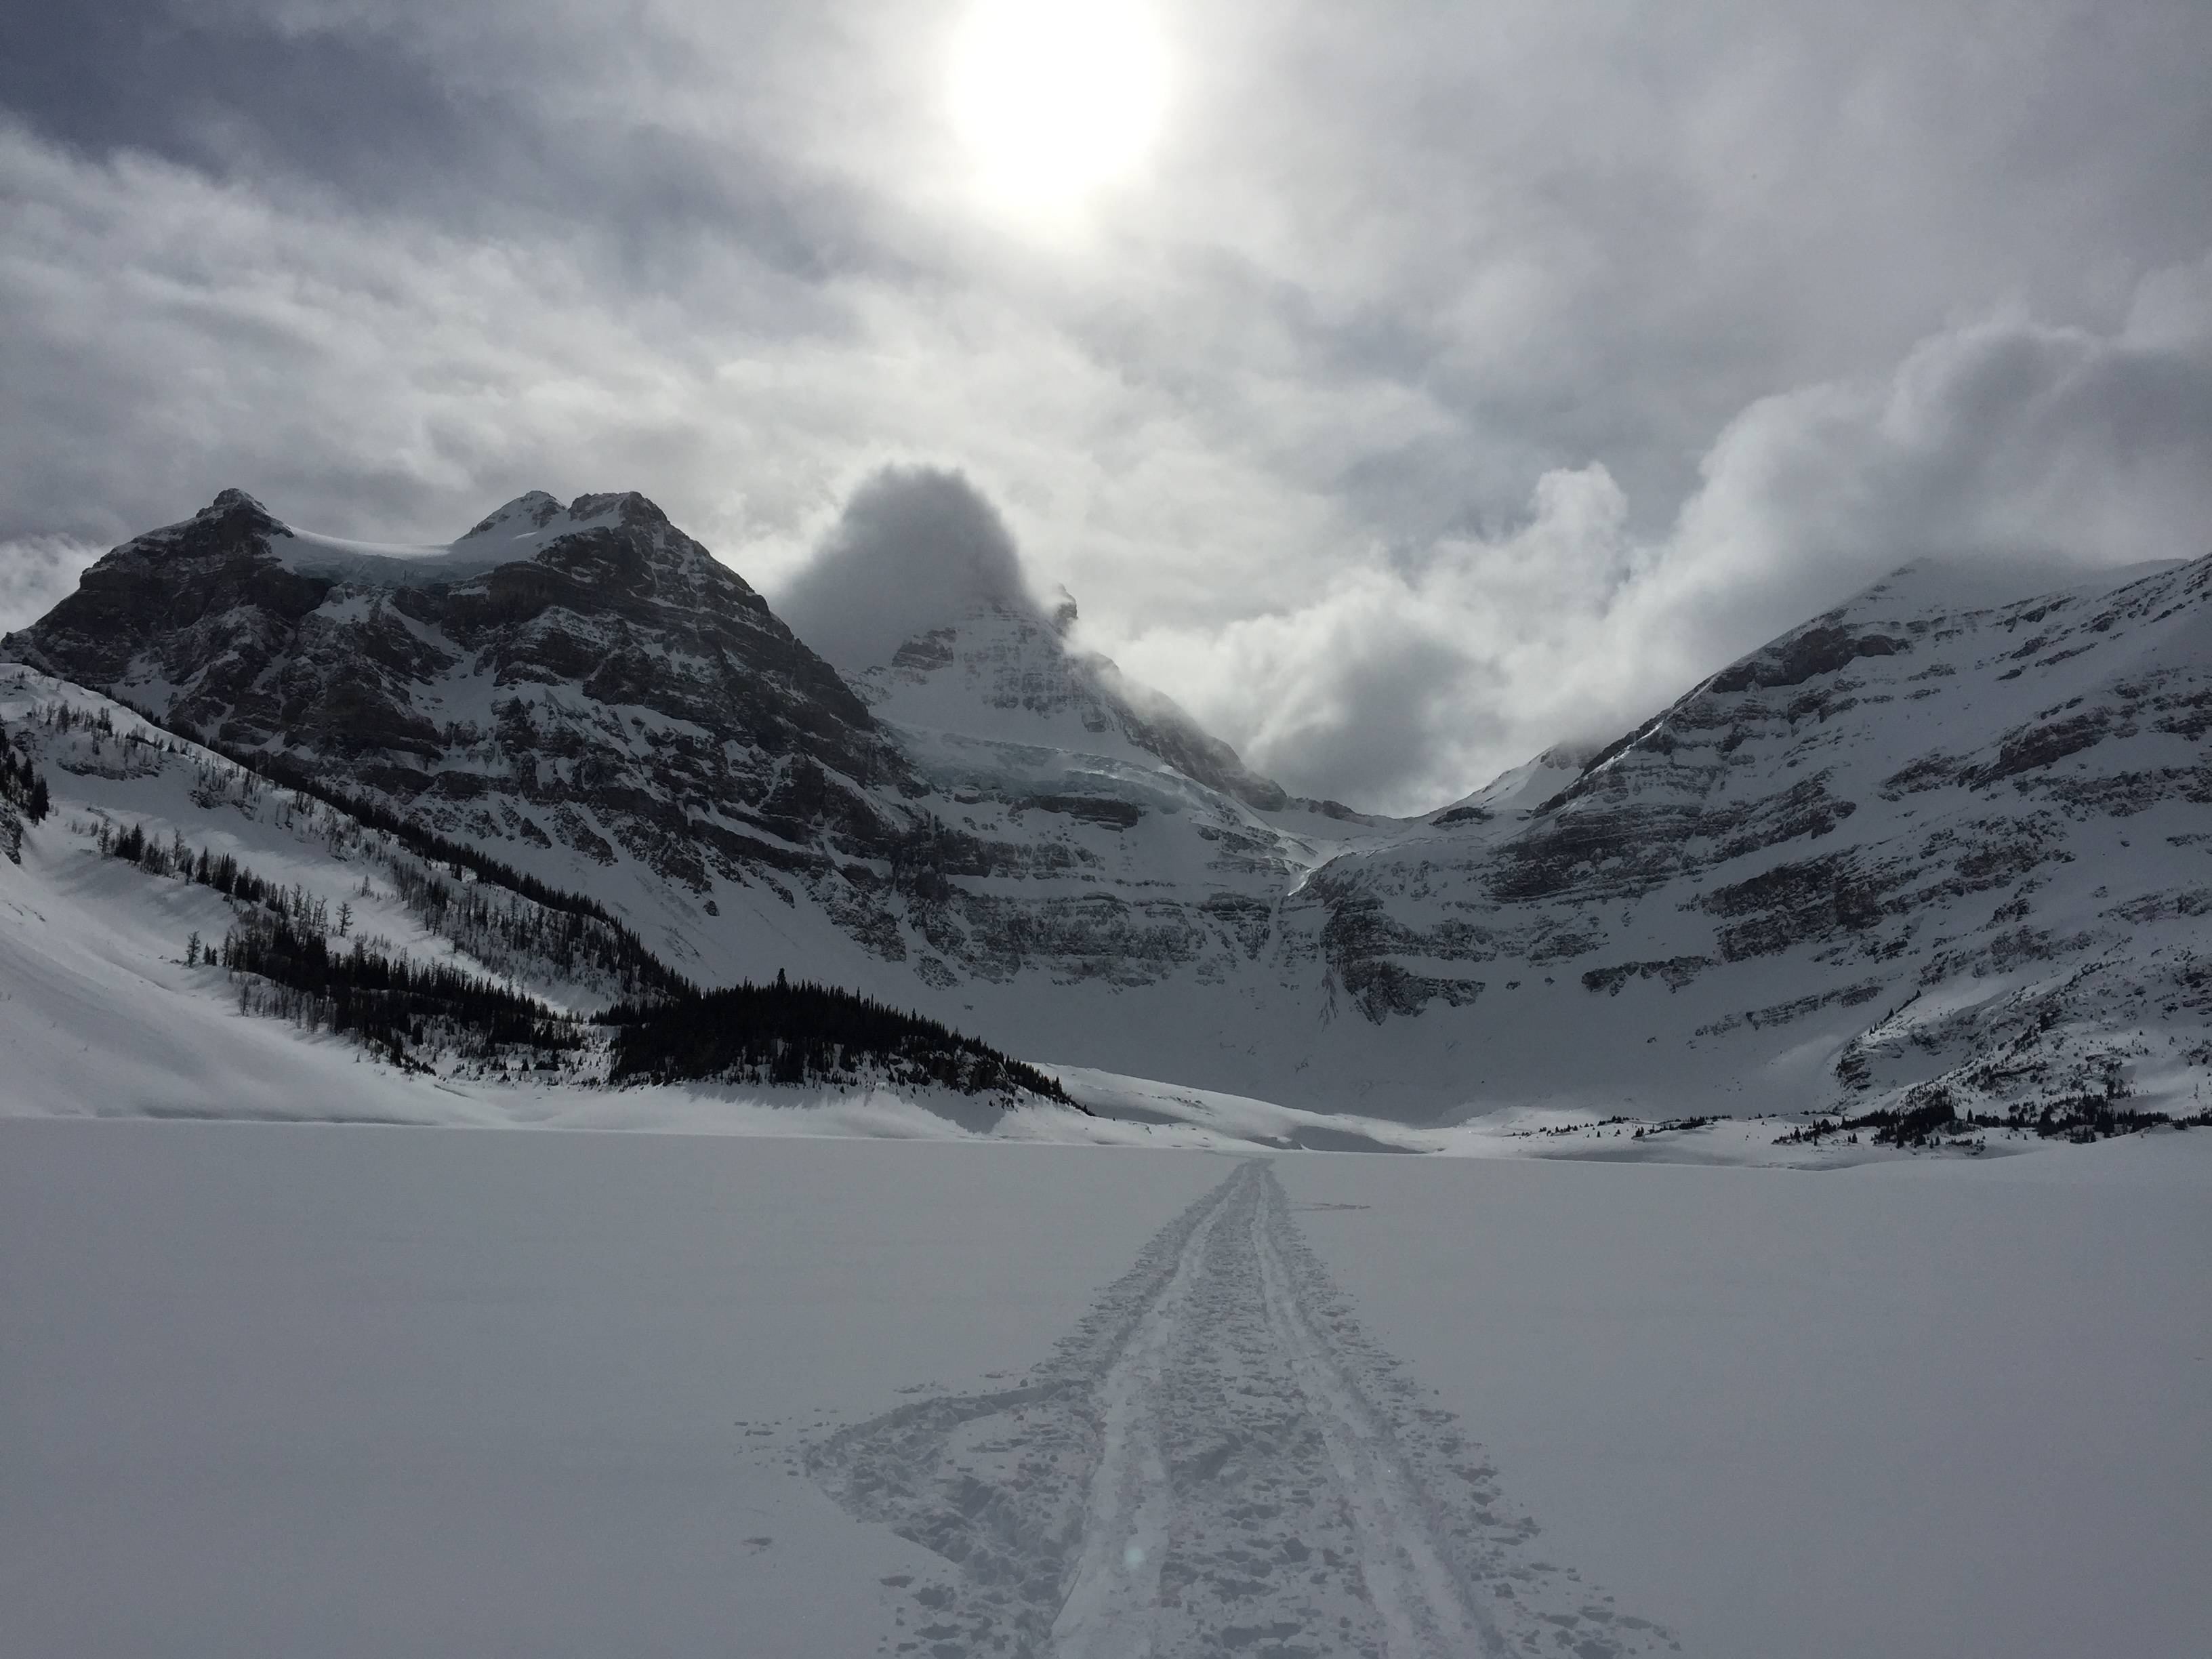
[(1215, 1460)]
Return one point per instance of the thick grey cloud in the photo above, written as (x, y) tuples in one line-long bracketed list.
[(36, 574), (1448, 380), (915, 547), (2003, 444)]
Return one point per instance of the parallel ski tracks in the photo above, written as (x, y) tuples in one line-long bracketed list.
[(1412, 1570), (1113, 1595), (1215, 1460)]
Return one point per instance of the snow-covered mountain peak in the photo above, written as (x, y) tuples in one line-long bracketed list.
[(1923, 606), (1003, 673), (235, 502), (232, 518), (1927, 589), (533, 509), (529, 525), (477, 686), (1519, 792), (524, 530), (234, 536), (999, 669)]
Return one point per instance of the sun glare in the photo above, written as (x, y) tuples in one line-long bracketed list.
[(1056, 96)]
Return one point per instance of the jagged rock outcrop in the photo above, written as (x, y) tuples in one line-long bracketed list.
[(597, 678)]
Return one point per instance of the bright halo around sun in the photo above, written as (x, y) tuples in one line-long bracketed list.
[(1056, 97)]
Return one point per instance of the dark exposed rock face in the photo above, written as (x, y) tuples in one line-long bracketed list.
[(615, 685), (1823, 649), (204, 600)]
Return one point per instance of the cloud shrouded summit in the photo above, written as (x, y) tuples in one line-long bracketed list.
[(915, 547)]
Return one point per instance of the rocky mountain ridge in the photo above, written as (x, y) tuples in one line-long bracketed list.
[(588, 692), (1928, 842), (1987, 819)]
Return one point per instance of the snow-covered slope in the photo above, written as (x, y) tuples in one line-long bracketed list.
[(112, 1005), (1932, 851), (109, 1011), (112, 1002), (103, 1013)]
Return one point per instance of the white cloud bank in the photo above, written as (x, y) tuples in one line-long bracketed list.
[(2003, 442), (915, 547), (36, 574)]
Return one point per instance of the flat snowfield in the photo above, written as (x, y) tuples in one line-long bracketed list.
[(289, 1389)]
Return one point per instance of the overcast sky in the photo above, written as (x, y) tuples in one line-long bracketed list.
[(1404, 388)]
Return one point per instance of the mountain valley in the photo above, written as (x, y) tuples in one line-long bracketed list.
[(1938, 854)]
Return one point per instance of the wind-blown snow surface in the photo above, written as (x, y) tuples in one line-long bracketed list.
[(270, 1390)]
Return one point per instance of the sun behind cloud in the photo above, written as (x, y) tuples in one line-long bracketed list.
[(1054, 97)]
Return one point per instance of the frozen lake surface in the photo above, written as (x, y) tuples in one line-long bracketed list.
[(280, 1389)]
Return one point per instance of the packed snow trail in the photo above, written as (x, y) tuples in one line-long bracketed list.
[(1108, 1609), (1215, 1460), (1424, 1607)]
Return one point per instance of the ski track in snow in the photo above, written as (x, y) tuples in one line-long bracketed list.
[(1215, 1460)]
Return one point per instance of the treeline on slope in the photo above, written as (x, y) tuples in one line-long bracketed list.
[(22, 796), (282, 936), (520, 936), (2081, 1118), (618, 949), (392, 1005), (787, 1033), (778, 1034), (221, 872)]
